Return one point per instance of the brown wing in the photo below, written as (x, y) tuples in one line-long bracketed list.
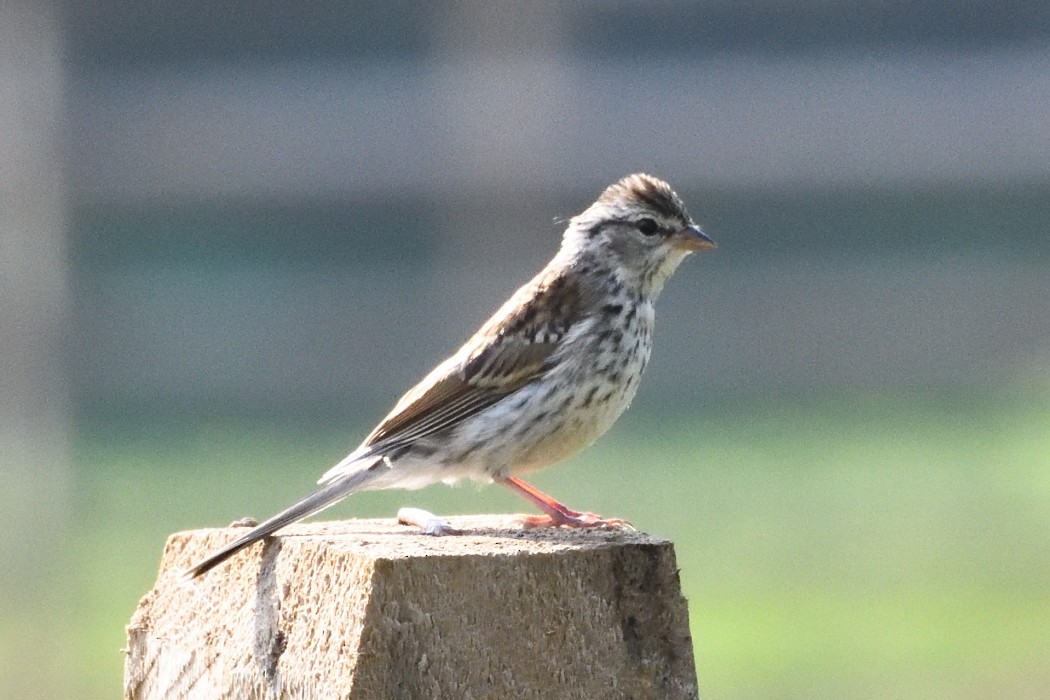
[(511, 350)]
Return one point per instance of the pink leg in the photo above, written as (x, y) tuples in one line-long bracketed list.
[(557, 514)]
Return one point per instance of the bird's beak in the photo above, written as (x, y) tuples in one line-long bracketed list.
[(692, 238)]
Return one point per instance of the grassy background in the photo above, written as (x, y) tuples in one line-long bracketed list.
[(863, 547)]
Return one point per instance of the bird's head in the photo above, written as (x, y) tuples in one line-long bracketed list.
[(641, 228)]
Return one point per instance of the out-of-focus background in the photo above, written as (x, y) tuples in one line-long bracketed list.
[(231, 234)]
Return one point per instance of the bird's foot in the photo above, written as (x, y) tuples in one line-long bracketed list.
[(557, 514), (571, 518)]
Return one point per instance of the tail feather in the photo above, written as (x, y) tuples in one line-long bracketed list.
[(312, 504), (361, 458)]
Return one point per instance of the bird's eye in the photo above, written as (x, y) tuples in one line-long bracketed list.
[(647, 226)]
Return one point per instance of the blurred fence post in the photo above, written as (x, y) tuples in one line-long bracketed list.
[(34, 449), (370, 609)]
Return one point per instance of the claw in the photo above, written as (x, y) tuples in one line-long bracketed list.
[(572, 519)]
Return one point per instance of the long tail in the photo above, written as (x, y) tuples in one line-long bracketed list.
[(314, 503)]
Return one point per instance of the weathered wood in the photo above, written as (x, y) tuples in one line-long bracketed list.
[(371, 609)]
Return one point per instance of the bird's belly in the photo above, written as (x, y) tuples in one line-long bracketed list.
[(558, 423), (566, 435), (560, 413), (533, 430)]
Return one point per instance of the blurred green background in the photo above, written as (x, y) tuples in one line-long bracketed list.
[(233, 235)]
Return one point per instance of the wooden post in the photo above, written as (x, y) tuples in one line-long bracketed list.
[(372, 609)]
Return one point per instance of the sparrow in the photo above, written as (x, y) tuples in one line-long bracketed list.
[(542, 379)]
